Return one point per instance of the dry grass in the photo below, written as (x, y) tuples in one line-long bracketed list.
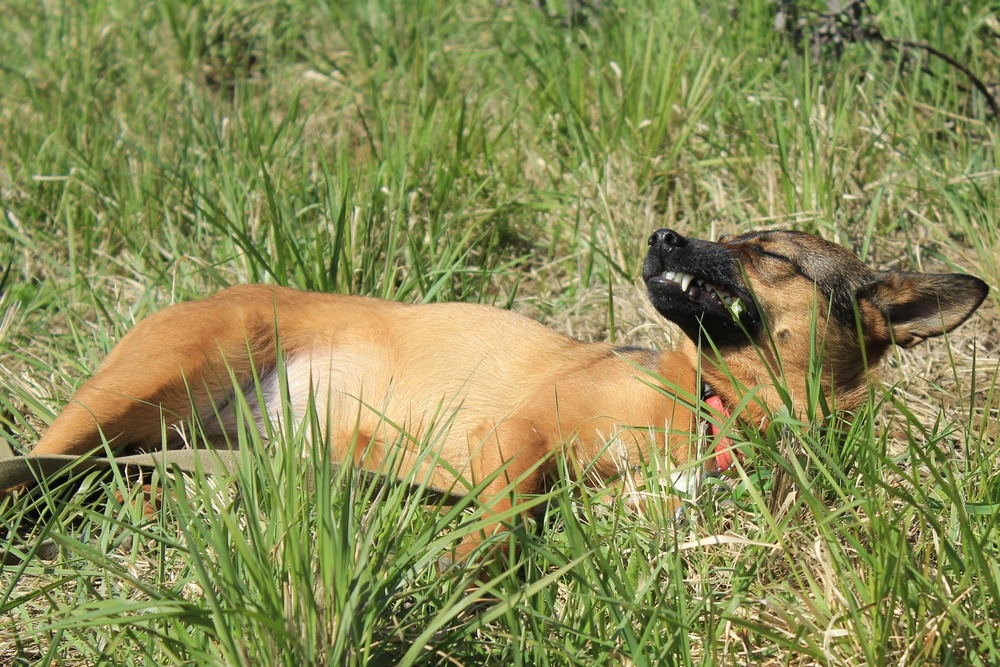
[(492, 152)]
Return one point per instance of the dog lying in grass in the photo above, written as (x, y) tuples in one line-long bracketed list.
[(496, 391)]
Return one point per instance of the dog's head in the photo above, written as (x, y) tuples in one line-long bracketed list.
[(773, 303)]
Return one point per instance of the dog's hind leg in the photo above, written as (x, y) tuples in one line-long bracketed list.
[(174, 363)]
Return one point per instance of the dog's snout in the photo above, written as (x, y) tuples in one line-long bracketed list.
[(666, 239), (663, 247)]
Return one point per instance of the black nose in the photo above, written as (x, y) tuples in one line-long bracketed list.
[(667, 238)]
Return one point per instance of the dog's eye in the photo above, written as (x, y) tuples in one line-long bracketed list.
[(761, 250), (785, 265)]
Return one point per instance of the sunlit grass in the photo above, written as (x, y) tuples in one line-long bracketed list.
[(501, 153)]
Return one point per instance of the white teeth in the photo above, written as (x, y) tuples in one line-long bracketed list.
[(734, 305), (678, 277)]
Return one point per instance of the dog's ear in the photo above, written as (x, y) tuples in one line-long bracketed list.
[(919, 306)]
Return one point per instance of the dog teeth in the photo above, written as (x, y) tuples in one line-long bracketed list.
[(734, 305), (678, 277)]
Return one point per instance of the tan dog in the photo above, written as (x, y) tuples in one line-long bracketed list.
[(495, 390)]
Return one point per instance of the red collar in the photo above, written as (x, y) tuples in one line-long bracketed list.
[(724, 447)]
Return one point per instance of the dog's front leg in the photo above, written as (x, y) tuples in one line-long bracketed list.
[(514, 456)]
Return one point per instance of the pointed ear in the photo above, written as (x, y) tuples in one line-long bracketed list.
[(919, 306)]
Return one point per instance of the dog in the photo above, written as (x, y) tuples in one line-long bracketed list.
[(502, 397)]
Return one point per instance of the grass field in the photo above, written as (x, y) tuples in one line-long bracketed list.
[(516, 154)]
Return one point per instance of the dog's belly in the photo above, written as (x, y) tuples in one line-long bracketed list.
[(376, 410)]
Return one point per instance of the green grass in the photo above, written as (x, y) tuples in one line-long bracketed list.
[(493, 152)]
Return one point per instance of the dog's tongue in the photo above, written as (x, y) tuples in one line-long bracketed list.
[(724, 446)]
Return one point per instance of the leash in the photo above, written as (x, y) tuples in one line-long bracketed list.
[(28, 470), (17, 470), (725, 450)]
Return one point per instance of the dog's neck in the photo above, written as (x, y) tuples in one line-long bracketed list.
[(733, 381), (711, 408)]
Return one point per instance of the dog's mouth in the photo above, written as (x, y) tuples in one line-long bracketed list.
[(699, 286), (699, 289)]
